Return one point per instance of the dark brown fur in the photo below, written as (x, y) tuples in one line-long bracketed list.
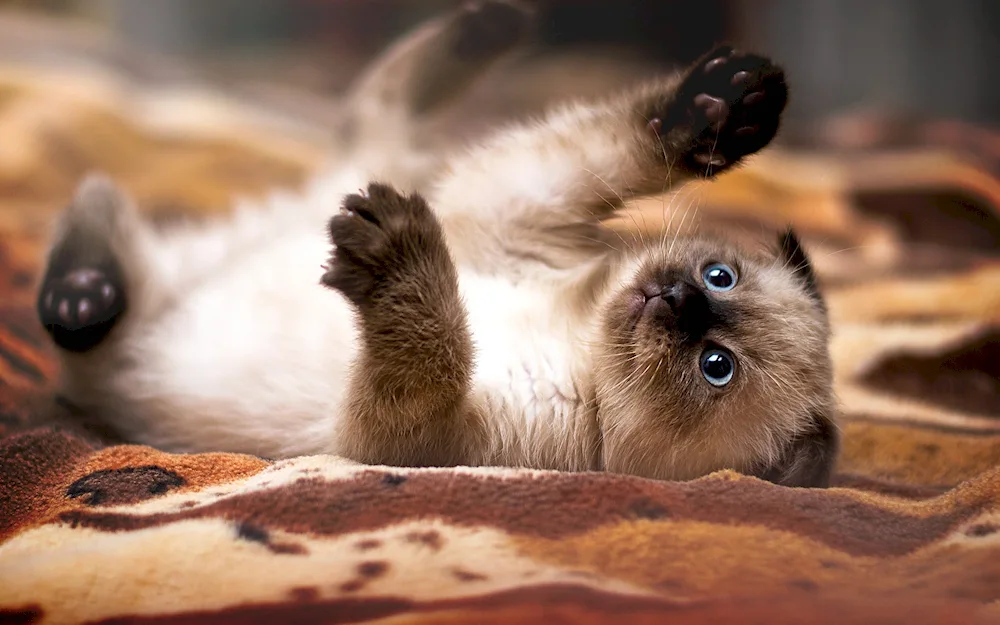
[(408, 389)]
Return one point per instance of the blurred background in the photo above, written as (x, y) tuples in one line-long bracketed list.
[(931, 58)]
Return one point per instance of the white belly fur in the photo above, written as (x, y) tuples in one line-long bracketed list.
[(256, 359)]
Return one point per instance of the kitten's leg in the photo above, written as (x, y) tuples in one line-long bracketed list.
[(98, 268), (408, 389), (581, 162)]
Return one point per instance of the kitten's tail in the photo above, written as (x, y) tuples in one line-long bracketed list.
[(423, 71)]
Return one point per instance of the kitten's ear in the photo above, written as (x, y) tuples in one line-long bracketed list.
[(809, 461), (791, 253)]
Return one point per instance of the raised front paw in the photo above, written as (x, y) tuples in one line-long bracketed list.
[(79, 306), (727, 106), (381, 237)]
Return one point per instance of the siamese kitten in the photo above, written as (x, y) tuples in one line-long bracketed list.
[(489, 319)]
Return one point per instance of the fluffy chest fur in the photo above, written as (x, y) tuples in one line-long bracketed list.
[(532, 377)]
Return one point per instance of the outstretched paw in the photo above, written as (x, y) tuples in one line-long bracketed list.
[(80, 306), (381, 236), (728, 106)]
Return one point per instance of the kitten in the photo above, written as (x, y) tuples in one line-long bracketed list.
[(488, 320)]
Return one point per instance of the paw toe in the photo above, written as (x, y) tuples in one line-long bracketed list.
[(715, 64), (710, 158), (384, 197), (358, 205), (63, 312), (753, 98), (715, 109), (108, 294), (84, 311)]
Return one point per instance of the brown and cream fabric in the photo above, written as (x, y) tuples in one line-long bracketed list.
[(906, 241)]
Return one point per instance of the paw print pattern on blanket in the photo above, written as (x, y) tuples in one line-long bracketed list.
[(115, 487)]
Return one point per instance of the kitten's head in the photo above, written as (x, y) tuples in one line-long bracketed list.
[(712, 358)]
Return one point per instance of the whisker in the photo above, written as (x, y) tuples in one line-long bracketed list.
[(614, 208)]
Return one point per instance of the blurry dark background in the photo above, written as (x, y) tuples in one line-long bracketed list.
[(927, 58)]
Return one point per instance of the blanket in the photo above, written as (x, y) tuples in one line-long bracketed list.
[(906, 237)]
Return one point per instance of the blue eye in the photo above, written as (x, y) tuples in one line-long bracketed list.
[(719, 277), (717, 365)]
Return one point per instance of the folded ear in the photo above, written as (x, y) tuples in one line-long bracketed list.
[(809, 460), (791, 253)]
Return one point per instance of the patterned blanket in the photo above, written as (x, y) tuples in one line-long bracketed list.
[(906, 240)]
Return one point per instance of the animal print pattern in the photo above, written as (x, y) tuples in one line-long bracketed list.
[(908, 252)]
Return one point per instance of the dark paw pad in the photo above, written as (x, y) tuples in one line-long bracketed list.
[(731, 102), (489, 27), (79, 307), (377, 237)]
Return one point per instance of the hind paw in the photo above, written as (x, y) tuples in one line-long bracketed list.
[(80, 306)]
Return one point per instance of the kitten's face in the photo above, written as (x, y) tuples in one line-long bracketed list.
[(715, 358)]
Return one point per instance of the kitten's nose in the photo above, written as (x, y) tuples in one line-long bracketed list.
[(683, 297), (689, 307)]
